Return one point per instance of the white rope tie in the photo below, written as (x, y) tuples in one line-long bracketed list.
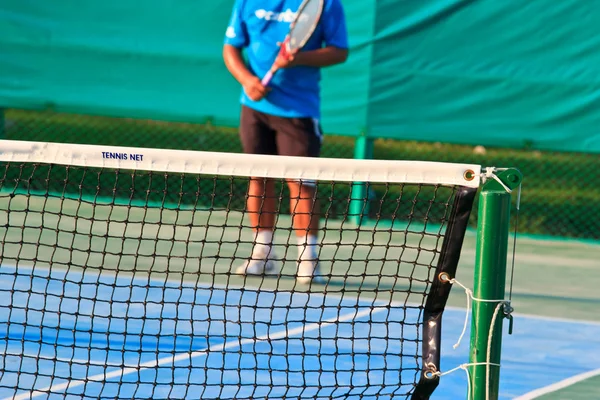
[(488, 364), (464, 367), (490, 173), (489, 349), (470, 298)]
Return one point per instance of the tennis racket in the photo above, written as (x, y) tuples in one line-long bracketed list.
[(301, 29)]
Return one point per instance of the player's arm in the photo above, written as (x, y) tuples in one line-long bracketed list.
[(236, 38), (323, 57), (235, 63), (237, 67)]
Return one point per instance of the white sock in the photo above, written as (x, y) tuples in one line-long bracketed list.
[(263, 244), (307, 247)]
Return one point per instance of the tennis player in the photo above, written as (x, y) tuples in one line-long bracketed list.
[(283, 117)]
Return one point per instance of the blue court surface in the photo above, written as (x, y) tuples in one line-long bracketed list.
[(198, 342)]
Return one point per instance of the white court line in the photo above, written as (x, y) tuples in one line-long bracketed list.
[(188, 356), (68, 360), (532, 316), (558, 385), (136, 277), (558, 319), (192, 284)]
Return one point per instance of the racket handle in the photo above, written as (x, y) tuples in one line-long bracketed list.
[(265, 81)]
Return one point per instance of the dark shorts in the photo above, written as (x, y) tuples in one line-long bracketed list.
[(268, 134)]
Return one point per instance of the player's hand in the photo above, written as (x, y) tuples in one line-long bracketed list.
[(255, 89), (285, 59)]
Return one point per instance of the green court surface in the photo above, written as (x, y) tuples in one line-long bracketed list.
[(204, 246), (553, 278), (586, 389), (560, 280)]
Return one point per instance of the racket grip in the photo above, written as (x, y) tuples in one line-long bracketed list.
[(265, 81)]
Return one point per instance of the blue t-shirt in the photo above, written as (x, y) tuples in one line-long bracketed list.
[(257, 26)]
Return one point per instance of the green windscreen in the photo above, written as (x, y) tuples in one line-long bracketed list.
[(478, 72)]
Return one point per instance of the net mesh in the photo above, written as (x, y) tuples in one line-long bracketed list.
[(119, 283)]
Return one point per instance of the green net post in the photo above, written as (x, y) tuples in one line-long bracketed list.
[(359, 202), (490, 279)]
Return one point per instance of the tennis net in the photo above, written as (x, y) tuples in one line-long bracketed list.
[(126, 273)]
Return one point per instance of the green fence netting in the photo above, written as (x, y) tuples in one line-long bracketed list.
[(560, 194)]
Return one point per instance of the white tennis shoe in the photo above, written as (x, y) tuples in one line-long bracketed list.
[(308, 271), (257, 266)]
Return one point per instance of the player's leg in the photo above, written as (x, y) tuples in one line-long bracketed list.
[(301, 137), (260, 206), (258, 138), (304, 207)]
